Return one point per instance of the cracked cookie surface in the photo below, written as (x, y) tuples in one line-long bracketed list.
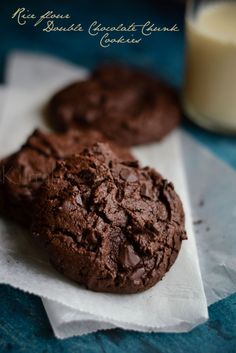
[(23, 172), (129, 106), (109, 225)]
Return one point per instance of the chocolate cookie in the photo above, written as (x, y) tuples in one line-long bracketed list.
[(128, 106), (109, 225), (23, 172)]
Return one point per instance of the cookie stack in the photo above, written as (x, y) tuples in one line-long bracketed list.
[(103, 220)]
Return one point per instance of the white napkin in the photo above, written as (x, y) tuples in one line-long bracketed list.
[(175, 304)]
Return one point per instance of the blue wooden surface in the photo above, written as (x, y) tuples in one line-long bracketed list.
[(24, 326)]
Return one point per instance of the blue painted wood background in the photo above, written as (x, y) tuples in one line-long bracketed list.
[(24, 326)]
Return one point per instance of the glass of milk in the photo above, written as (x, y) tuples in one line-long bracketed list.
[(209, 94)]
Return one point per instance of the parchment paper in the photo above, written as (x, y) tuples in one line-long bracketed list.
[(175, 304)]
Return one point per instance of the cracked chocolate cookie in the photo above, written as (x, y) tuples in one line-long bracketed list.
[(109, 225), (23, 172), (130, 107)]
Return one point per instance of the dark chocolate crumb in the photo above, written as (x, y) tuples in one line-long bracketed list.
[(199, 221), (201, 203)]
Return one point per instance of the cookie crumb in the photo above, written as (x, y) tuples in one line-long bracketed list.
[(201, 203), (199, 221)]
